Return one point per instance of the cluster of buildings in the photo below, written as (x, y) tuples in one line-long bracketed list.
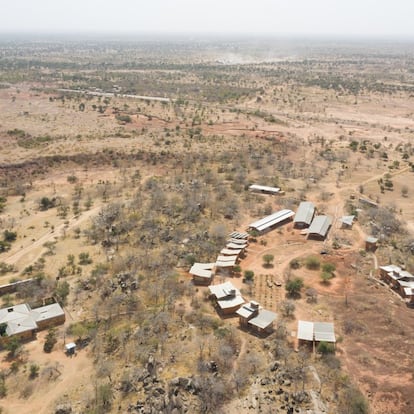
[(252, 316), (228, 298), (399, 280), (305, 218), (317, 226)]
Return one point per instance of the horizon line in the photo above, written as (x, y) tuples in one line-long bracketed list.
[(208, 34)]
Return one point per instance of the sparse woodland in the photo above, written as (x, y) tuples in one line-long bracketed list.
[(106, 201)]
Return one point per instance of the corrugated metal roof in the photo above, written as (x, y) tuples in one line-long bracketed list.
[(408, 291), (201, 273), (348, 220), (238, 235), (257, 187), (271, 220), (391, 268), (305, 212), (222, 258), (230, 302), (320, 225), (305, 330), (202, 270), (230, 252), (236, 246), (245, 311), (263, 319), (223, 290), (318, 331), (225, 264), (242, 242), (324, 331)]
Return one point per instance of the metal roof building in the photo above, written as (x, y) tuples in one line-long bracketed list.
[(304, 215), (236, 246), (230, 252), (239, 236), (202, 272), (269, 221), (347, 221), (264, 319), (223, 290), (316, 331), (229, 298), (23, 320), (264, 189), (320, 226)]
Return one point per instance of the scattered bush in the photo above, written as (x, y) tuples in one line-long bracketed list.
[(295, 264), (312, 263), (34, 371), (50, 341)]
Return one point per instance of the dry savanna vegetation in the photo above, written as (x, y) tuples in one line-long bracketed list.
[(108, 195)]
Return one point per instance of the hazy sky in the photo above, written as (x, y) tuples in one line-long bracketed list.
[(286, 17)]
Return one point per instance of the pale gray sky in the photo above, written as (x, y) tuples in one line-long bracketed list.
[(281, 17)]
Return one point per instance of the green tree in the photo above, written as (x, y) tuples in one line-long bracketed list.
[(293, 287), (328, 268), (62, 291), (79, 330), (13, 345), (268, 259), (34, 371), (9, 236), (84, 258), (326, 277), (50, 341), (46, 203), (248, 275)]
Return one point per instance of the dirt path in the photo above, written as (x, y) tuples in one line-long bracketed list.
[(29, 251), (59, 376)]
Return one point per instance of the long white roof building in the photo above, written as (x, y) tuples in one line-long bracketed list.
[(273, 219)]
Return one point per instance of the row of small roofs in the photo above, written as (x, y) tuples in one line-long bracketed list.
[(227, 258)]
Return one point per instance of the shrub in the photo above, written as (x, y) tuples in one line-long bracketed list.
[(249, 275), (328, 267), (50, 341), (9, 236), (84, 259), (325, 348), (34, 371), (312, 263), (288, 308), (295, 264), (326, 277)]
